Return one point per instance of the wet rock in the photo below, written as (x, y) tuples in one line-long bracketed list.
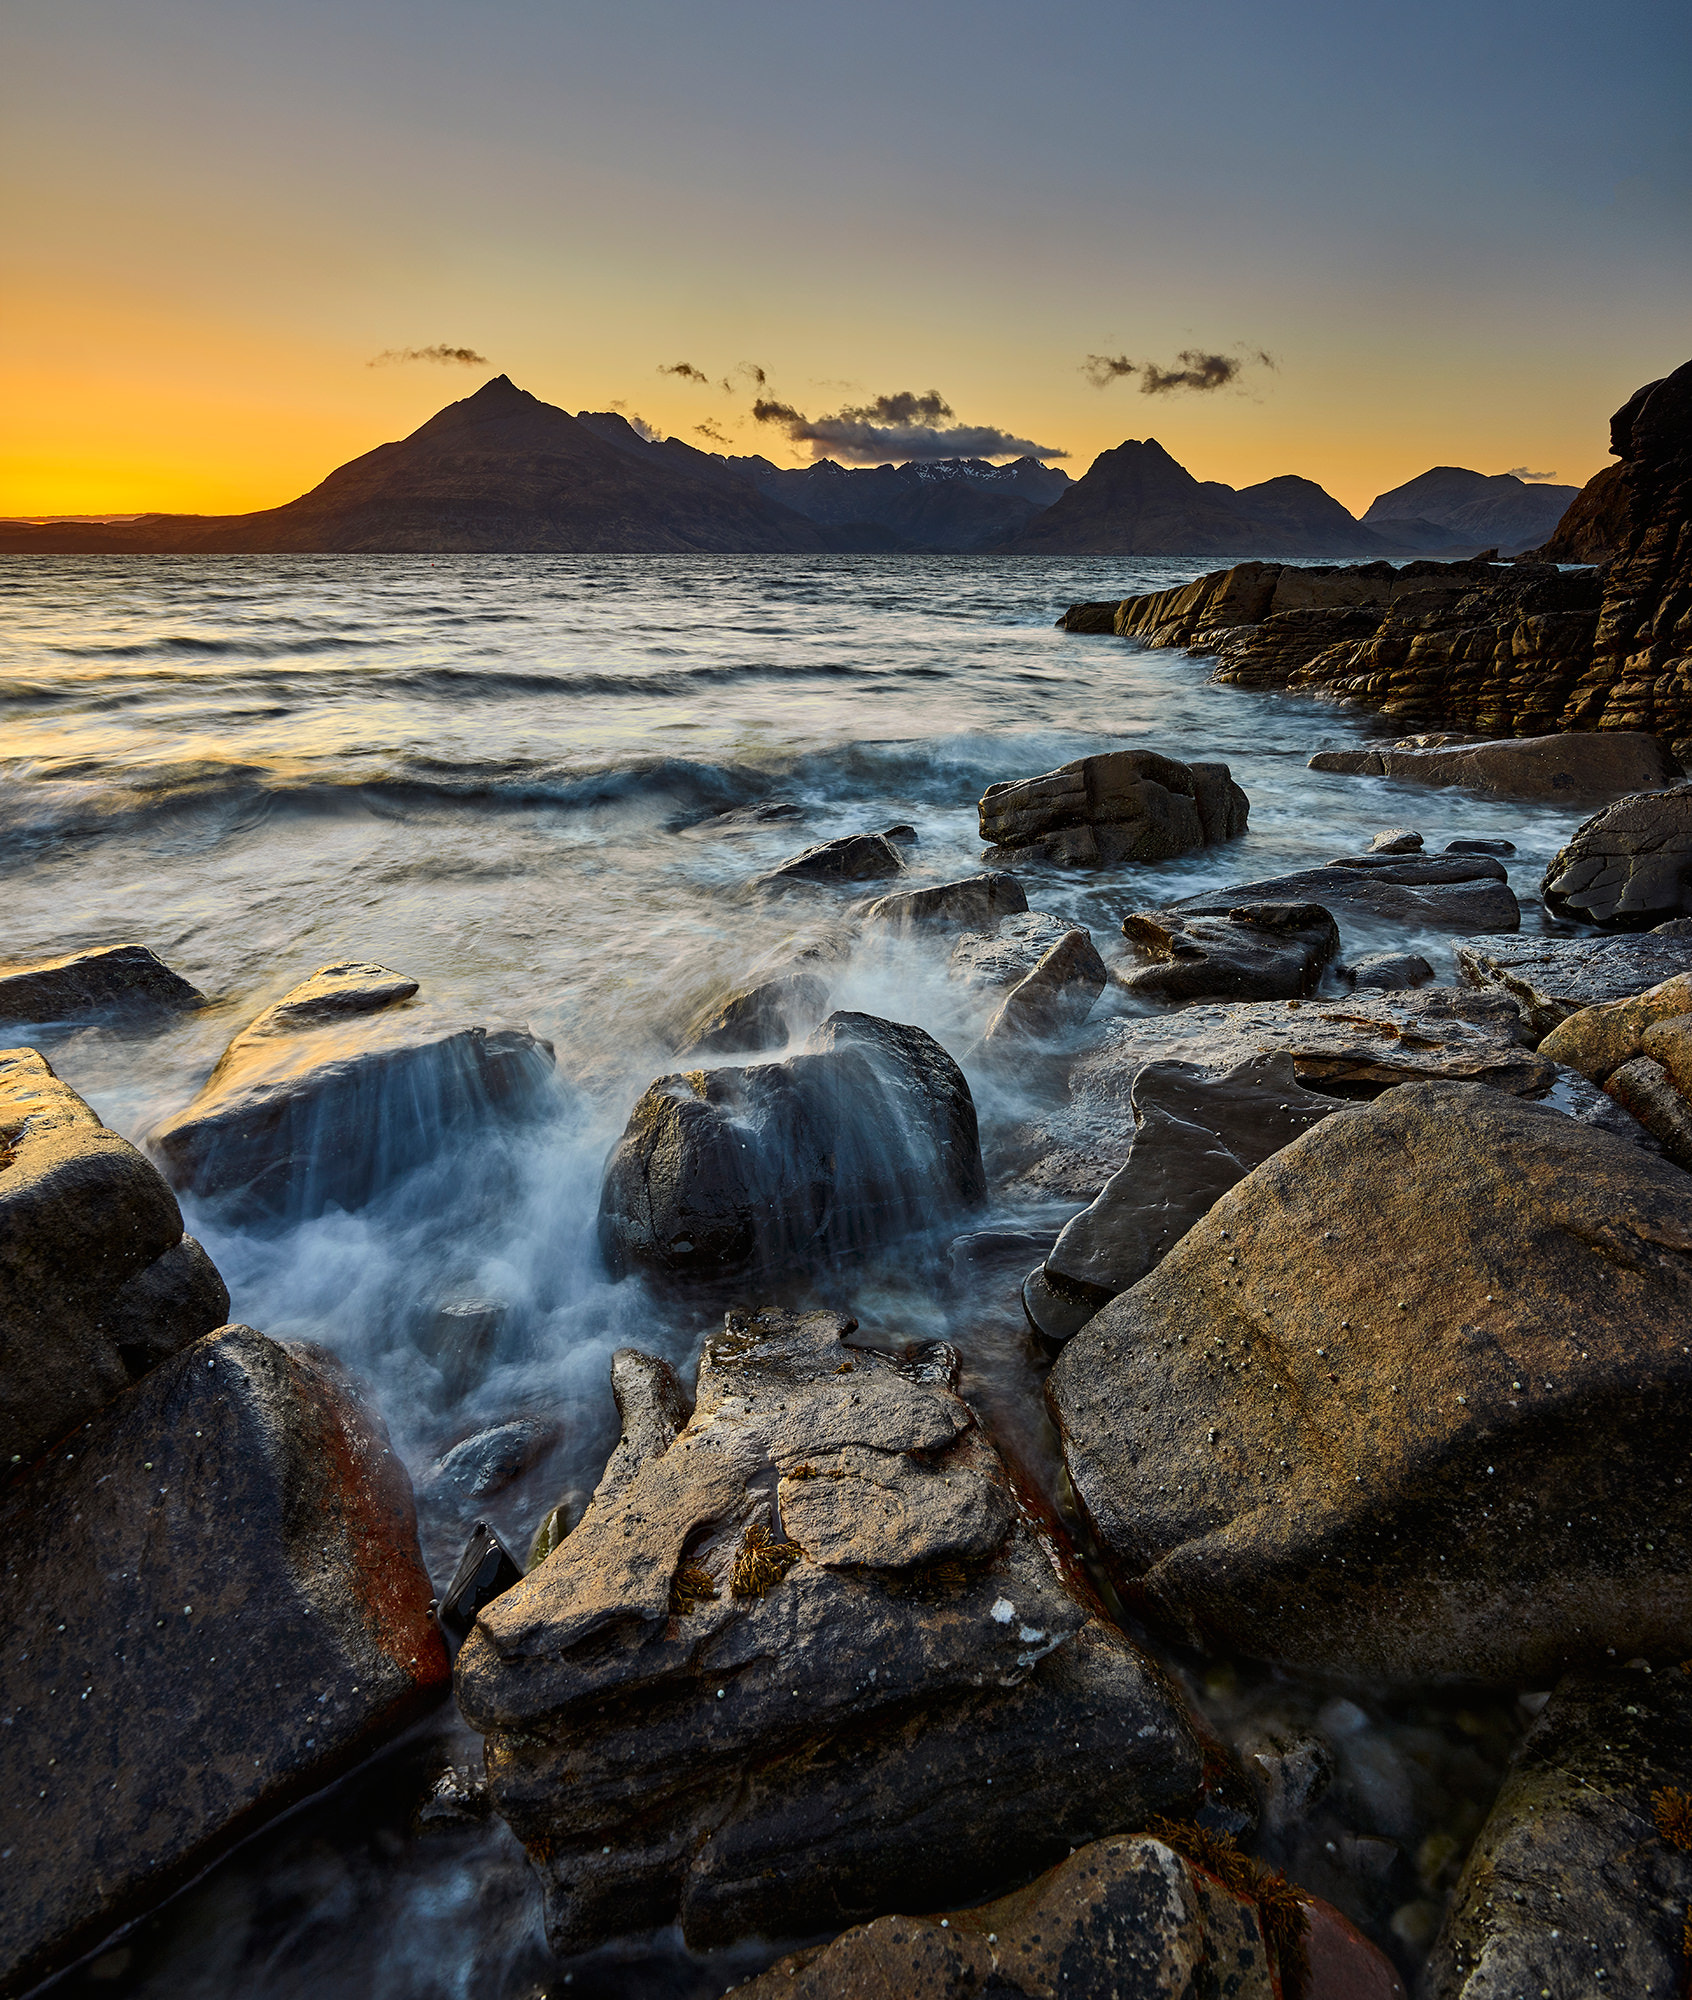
[(458, 1798), (1125, 805), (1255, 951), (1480, 846), (1009, 952), (214, 1604), (866, 1134), (97, 1281), (1057, 995), (1388, 971), (461, 1337), (977, 902), (491, 1459), (1600, 1039), (117, 978), (338, 1090), (485, 1571), (766, 1016), (1195, 1135), (1551, 978), (1444, 892), (1628, 866), (1572, 763), (1291, 1771), (1396, 840), (1646, 1089), (824, 1637), (1577, 1883), (855, 857), (1409, 1403)]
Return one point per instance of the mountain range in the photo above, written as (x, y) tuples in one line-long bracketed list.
[(503, 472)]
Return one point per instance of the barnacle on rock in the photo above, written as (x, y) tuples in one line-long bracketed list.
[(1671, 1808), (762, 1561), (1280, 1907), (692, 1585)]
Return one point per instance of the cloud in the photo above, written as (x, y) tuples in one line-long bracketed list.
[(754, 374), (1103, 369), (467, 356), (687, 371), (709, 430), (901, 426), (1521, 472), (1196, 370)]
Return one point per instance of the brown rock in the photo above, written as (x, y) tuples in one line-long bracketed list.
[(855, 857), (214, 1604), (1644, 1087), (119, 978), (1056, 995), (1255, 951), (975, 903), (1573, 763), (1597, 1040), (1596, 524), (1125, 805), (766, 1016), (1455, 892)]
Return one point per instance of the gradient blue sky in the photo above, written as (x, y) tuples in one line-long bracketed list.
[(1465, 233)]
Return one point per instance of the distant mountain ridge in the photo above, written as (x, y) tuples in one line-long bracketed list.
[(1491, 510)]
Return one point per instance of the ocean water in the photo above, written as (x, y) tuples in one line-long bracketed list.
[(518, 781)]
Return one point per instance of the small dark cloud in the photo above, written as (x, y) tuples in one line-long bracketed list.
[(466, 356), (1521, 472), (709, 430), (905, 407), (1103, 369), (753, 373), (1195, 369), (901, 426), (766, 412), (687, 371)]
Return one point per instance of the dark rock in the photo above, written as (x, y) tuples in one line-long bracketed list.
[(1551, 978), (1256, 951), (1006, 954), (1645, 1088), (1125, 805), (97, 1281), (117, 978), (486, 1569), (1480, 846), (214, 1604), (338, 1090), (1195, 1135), (1057, 995), (458, 1798), (1455, 892), (1576, 1883), (1396, 840), (1389, 971), (1090, 617), (1384, 1412), (866, 1134), (492, 1459), (855, 857), (461, 1336), (1597, 521), (1573, 763), (825, 1636), (1600, 1039), (766, 1016), (977, 902), (1628, 866), (1676, 927)]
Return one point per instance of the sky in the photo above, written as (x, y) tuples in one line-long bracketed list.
[(1459, 233)]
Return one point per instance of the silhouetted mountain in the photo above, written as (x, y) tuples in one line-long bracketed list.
[(1476, 509), (1293, 510)]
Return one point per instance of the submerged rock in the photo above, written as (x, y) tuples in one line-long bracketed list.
[(1388, 971), (338, 1090), (819, 1649), (490, 1460), (1410, 1402), (1125, 805), (976, 901), (97, 1281), (1443, 892), (214, 1604), (866, 1134), (1056, 995), (855, 857), (1551, 978), (766, 1016), (1573, 763), (1254, 951), (1628, 866), (116, 978), (1581, 1879)]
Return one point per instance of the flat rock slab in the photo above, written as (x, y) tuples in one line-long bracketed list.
[(1571, 764), (1629, 865), (1256, 951), (214, 1604), (977, 902), (1453, 892), (118, 978), (1410, 1402), (1597, 1894), (1551, 978), (815, 1648)]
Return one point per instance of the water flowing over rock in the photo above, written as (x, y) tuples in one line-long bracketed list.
[(816, 1650), (1410, 1402), (855, 857), (1125, 805), (868, 1133), (1575, 764), (765, 1016), (1551, 978), (1581, 1878), (97, 1281), (1454, 892), (977, 901), (1255, 951), (214, 1604), (1629, 866), (338, 1090), (118, 978), (1009, 952), (1057, 994)]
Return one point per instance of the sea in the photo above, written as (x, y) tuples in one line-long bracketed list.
[(523, 781)]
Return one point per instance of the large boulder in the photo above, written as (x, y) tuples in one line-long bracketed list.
[(1195, 1135), (1410, 1402), (1255, 951), (1581, 1879), (976, 902), (866, 1134), (1570, 764), (817, 1651), (1552, 978), (214, 1604), (1629, 866), (97, 1281), (1454, 892), (338, 1090), (115, 978), (1124, 805)]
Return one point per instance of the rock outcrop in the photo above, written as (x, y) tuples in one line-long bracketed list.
[(97, 1280), (1410, 1402), (1123, 805), (765, 1016), (978, 902), (338, 1090), (1573, 764), (1056, 994), (1254, 951), (1598, 1040), (115, 979), (813, 1655), (1581, 1879), (854, 857), (214, 1604), (1629, 866), (1453, 892), (866, 1134), (1551, 978)]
